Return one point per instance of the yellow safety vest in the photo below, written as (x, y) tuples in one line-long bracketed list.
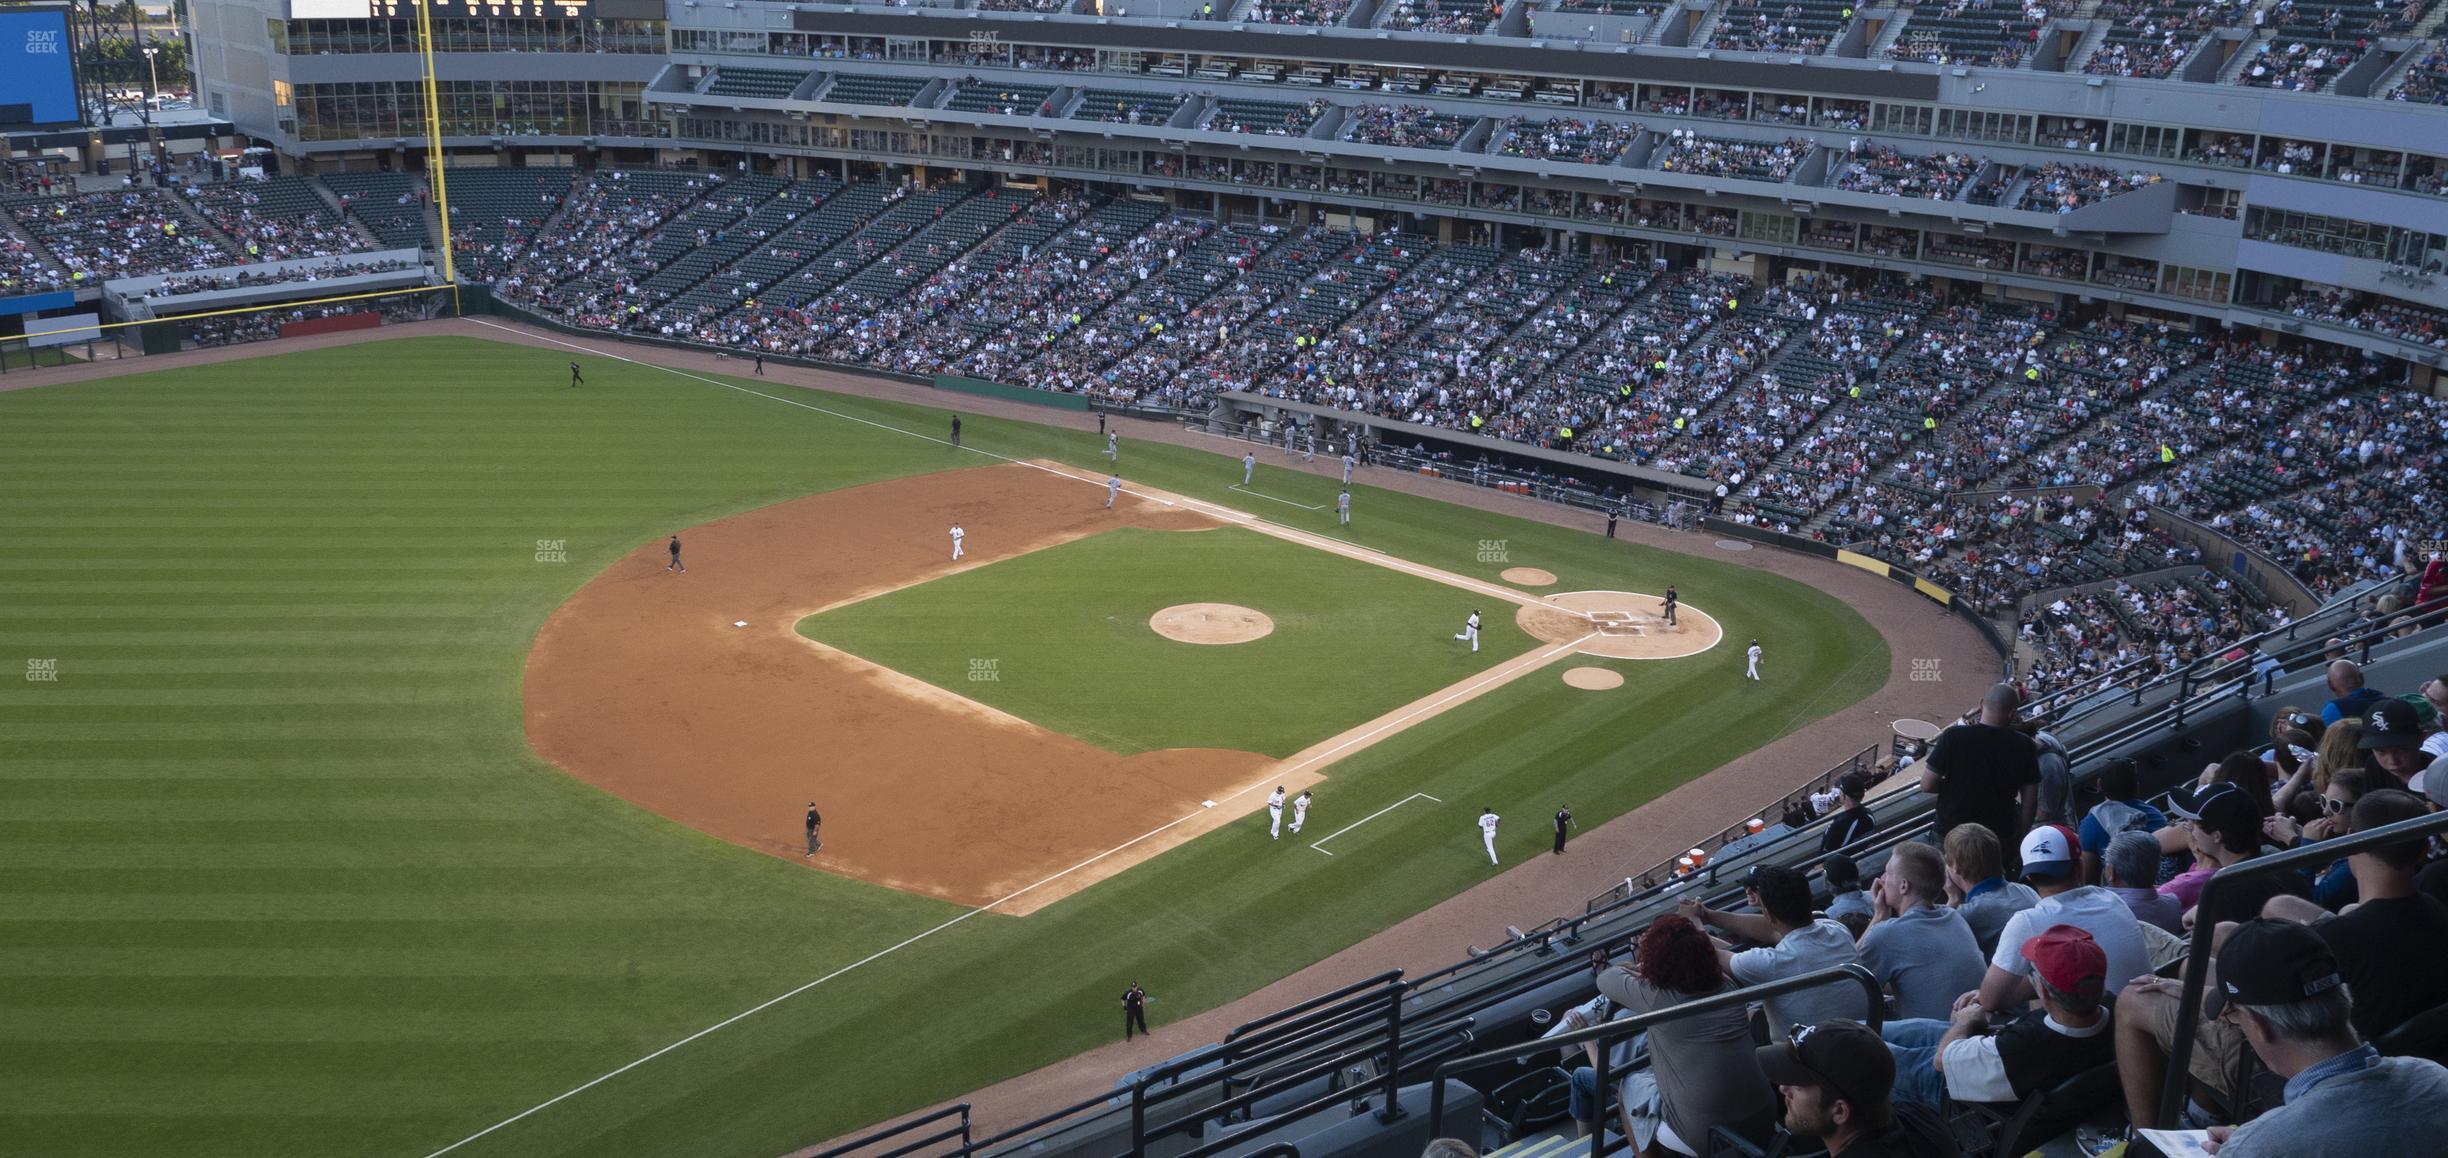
[(1929, 424), (2166, 453)]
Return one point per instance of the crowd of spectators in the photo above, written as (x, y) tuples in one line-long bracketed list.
[(1583, 142), (1313, 12), (1454, 17), (247, 277), (1403, 126), (1889, 172), (128, 233), (2422, 325), (1755, 28), (1685, 151), (276, 232)]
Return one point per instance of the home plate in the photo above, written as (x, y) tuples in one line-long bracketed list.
[(739, 623), (1206, 803)]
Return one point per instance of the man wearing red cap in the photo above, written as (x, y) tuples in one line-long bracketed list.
[(1965, 1059)]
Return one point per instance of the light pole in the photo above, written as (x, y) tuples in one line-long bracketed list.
[(152, 80)]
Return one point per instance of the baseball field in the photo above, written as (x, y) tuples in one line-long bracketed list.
[(372, 783)]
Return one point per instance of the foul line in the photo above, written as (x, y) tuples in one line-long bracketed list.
[(1321, 841), (1469, 687), (1273, 499)]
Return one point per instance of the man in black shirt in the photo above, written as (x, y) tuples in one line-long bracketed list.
[(1985, 773), (576, 379), (676, 564), (956, 430), (1134, 1010), (760, 363), (813, 820), (1563, 820), (1669, 606), (2389, 947), (1853, 822)]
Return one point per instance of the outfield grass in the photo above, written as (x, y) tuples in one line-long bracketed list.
[(279, 874), (1068, 627)]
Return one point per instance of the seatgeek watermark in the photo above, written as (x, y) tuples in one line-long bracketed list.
[(1925, 671), (42, 671), (985, 671), (1494, 551), (552, 550)]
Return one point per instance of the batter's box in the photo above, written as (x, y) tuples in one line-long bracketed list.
[(1618, 623)]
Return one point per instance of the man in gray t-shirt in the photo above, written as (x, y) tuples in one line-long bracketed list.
[(1977, 884), (1795, 942), (1921, 950)]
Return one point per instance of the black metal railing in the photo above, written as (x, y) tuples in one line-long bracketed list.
[(901, 1134), (2223, 882), (1606, 1035), (1664, 873)]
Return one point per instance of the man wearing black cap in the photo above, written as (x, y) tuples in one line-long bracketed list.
[(1853, 821), (2393, 734), (2390, 944), (2278, 983), (1836, 1078)]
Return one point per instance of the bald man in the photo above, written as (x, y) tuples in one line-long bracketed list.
[(1985, 773), (2351, 698)]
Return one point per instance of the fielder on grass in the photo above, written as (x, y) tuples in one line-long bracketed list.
[(1300, 811), (1487, 832), (1275, 813), (1470, 629)]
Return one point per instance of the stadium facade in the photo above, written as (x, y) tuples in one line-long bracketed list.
[(2021, 159)]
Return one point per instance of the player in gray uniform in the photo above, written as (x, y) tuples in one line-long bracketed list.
[(1113, 447), (1343, 509), (1113, 487), (1348, 463), (1249, 466)]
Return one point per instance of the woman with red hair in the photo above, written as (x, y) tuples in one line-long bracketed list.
[(1702, 1069)]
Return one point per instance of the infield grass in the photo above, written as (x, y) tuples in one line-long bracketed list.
[(1068, 630), (279, 874)]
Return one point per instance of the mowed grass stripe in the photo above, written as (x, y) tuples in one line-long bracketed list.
[(381, 476)]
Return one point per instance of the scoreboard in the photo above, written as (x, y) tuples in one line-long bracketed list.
[(37, 69), (442, 9)]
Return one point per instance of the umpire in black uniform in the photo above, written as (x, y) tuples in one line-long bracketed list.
[(1134, 1010), (814, 819), (1563, 821)]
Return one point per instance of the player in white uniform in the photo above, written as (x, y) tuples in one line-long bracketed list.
[(1113, 487), (1113, 447), (957, 536), (1343, 509), (1275, 814), (1470, 630), (1751, 667), (1249, 466), (1309, 447), (1487, 831), (1300, 811)]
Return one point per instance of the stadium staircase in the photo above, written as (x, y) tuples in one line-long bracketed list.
[(2094, 35), (1386, 272), (1547, 338), (1891, 33), (1100, 237), (1163, 302), (1709, 20), (764, 223), (851, 255)]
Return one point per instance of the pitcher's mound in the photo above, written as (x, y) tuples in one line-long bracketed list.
[(1619, 625), (1529, 576), (1596, 679), (1211, 623)]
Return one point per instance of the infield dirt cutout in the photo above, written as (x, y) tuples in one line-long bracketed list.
[(1529, 576), (641, 685), (1213, 623)]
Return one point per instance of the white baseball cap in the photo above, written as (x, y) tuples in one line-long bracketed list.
[(2048, 851)]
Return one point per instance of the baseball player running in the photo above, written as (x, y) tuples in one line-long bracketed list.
[(1343, 509), (1113, 446), (1113, 487), (1249, 466), (1275, 813), (1470, 629), (1487, 831), (957, 536), (1300, 812), (676, 564), (1751, 662)]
